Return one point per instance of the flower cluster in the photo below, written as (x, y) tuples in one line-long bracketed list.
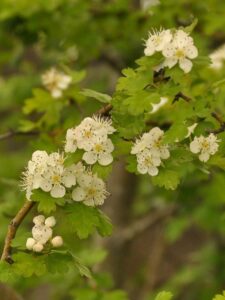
[(150, 151), (205, 146), (55, 82), (48, 173), (218, 58), (176, 47), (92, 137), (42, 234)]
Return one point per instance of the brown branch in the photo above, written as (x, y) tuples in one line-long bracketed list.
[(220, 121), (12, 229), (104, 111), (12, 133), (182, 96)]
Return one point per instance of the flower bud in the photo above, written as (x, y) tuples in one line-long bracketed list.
[(38, 247), (57, 241), (38, 220), (30, 243), (50, 222)]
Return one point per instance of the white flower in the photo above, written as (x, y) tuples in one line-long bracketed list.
[(56, 82), (180, 50), (57, 241), (157, 41), (157, 147), (91, 190), (100, 152), (157, 106), (147, 163), (71, 142), (146, 4), (141, 144), (206, 146), (218, 58)]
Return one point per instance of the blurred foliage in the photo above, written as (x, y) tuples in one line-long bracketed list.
[(79, 36)]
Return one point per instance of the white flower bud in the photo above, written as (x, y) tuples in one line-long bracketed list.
[(50, 222), (57, 241), (30, 243), (42, 233), (38, 247), (38, 220)]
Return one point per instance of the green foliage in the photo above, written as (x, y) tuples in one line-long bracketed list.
[(84, 220)]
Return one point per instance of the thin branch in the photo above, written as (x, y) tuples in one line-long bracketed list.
[(12, 229), (220, 121), (12, 133), (182, 96), (104, 111)]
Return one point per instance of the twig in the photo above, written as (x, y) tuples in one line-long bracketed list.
[(220, 121), (182, 96), (12, 229), (12, 133), (104, 111)]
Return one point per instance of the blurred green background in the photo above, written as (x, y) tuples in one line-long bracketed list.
[(182, 249)]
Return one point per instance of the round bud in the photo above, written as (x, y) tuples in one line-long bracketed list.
[(57, 241), (30, 243), (42, 233), (38, 247), (50, 222), (38, 220)]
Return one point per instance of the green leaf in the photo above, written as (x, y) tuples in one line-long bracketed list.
[(84, 220), (115, 295), (191, 27), (58, 262), (177, 132), (6, 272), (46, 203), (164, 296), (166, 178), (28, 264), (83, 270), (102, 171), (220, 297), (104, 98)]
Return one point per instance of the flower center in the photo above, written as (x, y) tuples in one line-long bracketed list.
[(87, 133), (56, 179), (98, 148), (180, 53), (91, 192)]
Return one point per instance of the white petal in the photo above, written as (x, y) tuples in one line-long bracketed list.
[(153, 171), (105, 159), (204, 156), (58, 191), (56, 93), (69, 180), (191, 51), (90, 157), (195, 146), (46, 185), (78, 194), (185, 64), (89, 202), (142, 169), (170, 62)]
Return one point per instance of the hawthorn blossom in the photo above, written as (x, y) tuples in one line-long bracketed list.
[(87, 133), (48, 174), (157, 40), (205, 146), (146, 4), (218, 58), (149, 151), (91, 190), (180, 50), (100, 152), (191, 129), (148, 163), (56, 82)]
